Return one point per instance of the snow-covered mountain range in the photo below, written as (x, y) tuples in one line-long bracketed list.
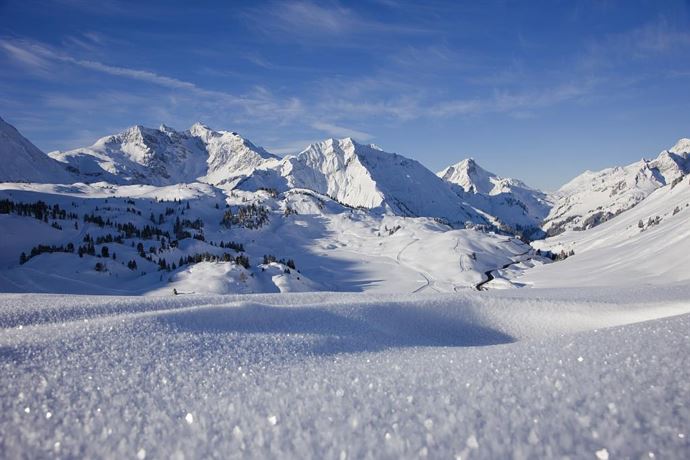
[(354, 174), (357, 175), (364, 176), (164, 156), (646, 245), (595, 197), (510, 201), (352, 216)]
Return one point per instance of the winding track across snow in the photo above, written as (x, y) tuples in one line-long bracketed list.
[(428, 279), (491, 277)]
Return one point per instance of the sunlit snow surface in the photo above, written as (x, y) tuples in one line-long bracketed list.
[(523, 373)]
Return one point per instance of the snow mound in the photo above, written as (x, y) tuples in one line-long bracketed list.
[(337, 375)]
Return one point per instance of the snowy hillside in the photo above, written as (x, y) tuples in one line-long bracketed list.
[(512, 203), (364, 176), (21, 161), (649, 244), (63, 231), (594, 197), (164, 156)]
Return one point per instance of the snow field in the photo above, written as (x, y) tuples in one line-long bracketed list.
[(529, 373)]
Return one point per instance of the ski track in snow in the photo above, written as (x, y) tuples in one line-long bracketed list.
[(428, 280), (528, 373)]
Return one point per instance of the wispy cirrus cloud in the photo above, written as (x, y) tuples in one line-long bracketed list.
[(341, 131), (512, 102), (655, 39), (259, 103), (294, 20), (25, 55)]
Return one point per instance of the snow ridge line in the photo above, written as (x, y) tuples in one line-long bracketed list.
[(436, 319)]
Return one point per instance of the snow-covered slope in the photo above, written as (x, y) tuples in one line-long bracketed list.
[(164, 156), (594, 197), (334, 247), (519, 374), (648, 244), (510, 201), (365, 176), (21, 161)]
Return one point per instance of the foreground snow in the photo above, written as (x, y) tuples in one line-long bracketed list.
[(527, 373)]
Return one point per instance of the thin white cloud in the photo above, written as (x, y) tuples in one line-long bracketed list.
[(340, 131), (24, 56), (294, 20), (656, 38), (259, 103), (289, 148), (512, 102)]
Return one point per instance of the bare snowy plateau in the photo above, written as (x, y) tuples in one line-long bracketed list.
[(188, 294)]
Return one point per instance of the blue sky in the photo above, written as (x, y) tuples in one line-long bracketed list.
[(535, 90)]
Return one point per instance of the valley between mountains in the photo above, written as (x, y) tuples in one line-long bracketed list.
[(149, 211), (176, 294)]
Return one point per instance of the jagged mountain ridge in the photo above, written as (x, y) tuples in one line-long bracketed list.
[(164, 156), (596, 196), (365, 176), (22, 161), (355, 174), (510, 201)]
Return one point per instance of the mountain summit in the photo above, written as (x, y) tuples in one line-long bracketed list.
[(22, 161), (164, 156), (512, 203), (365, 176)]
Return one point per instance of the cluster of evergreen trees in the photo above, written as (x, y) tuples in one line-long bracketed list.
[(562, 255), (42, 249), (109, 238), (268, 258), (38, 209), (180, 226), (239, 247), (251, 216), (391, 230), (652, 221), (241, 259)]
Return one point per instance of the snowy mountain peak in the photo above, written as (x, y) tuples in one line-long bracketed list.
[(21, 161), (470, 176), (364, 176), (200, 130), (165, 156), (595, 197), (682, 147), (509, 201)]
